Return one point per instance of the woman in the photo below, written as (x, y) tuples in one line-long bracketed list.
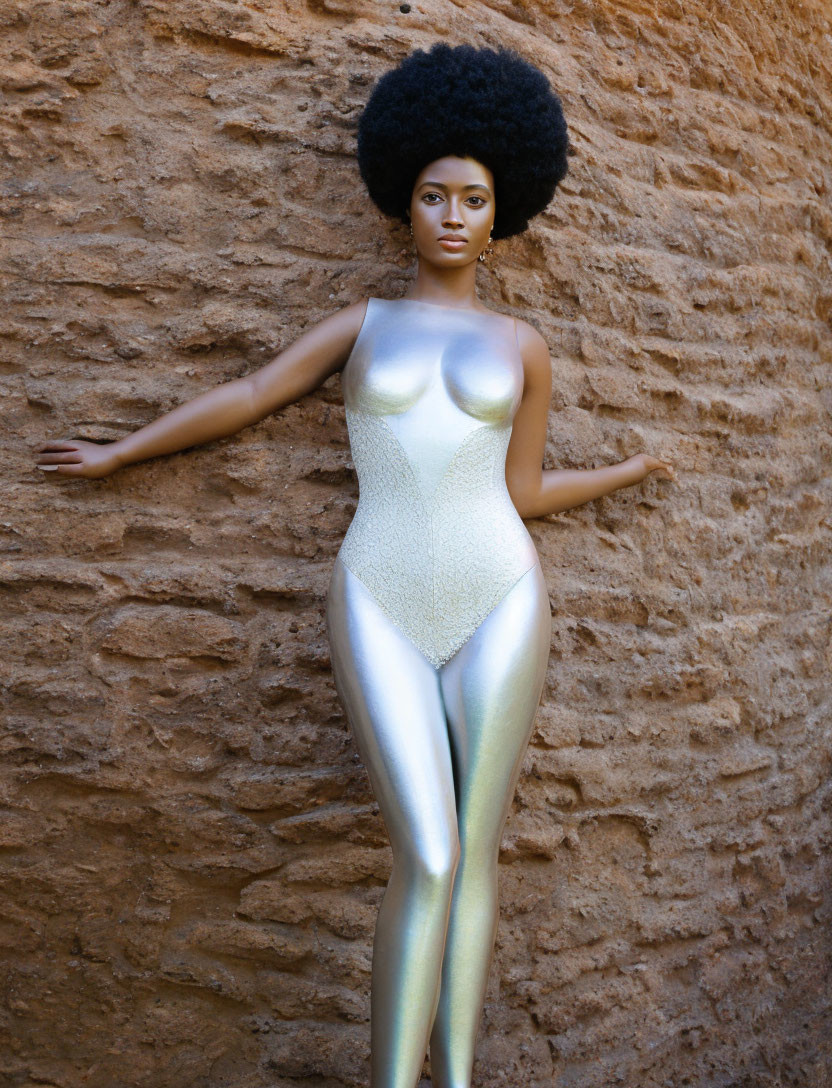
[(437, 614)]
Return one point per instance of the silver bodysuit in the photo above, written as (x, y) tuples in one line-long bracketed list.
[(430, 393), (439, 625)]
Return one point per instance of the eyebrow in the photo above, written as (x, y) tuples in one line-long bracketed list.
[(441, 185)]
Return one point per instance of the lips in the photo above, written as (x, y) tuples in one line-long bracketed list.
[(453, 243)]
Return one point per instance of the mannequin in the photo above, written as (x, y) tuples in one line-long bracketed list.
[(437, 613)]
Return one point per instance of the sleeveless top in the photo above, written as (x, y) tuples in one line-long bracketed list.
[(430, 392)]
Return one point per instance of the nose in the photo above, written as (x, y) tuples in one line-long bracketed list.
[(452, 217)]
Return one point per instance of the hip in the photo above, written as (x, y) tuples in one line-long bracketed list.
[(438, 620)]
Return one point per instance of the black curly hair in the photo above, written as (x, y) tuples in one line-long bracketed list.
[(492, 105)]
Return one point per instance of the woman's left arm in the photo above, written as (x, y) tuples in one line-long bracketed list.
[(536, 491)]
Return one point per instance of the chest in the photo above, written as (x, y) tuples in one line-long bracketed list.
[(465, 362)]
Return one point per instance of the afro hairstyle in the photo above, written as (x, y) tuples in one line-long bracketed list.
[(491, 105)]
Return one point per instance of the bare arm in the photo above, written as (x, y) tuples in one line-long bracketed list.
[(536, 491), (224, 410)]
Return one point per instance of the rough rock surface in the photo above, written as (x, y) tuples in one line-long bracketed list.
[(191, 856)]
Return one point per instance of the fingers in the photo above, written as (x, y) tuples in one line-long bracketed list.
[(57, 444), (71, 457), (69, 469), (60, 459), (655, 465), (60, 455), (56, 451)]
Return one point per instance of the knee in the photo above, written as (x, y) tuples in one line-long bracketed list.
[(434, 864)]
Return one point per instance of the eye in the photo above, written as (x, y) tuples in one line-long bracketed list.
[(480, 200)]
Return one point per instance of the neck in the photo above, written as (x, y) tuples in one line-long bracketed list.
[(448, 286)]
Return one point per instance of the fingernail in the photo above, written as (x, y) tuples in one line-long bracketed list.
[(47, 468)]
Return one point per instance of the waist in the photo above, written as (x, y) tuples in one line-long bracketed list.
[(471, 539)]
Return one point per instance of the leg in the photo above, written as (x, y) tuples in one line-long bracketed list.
[(492, 688), (391, 695)]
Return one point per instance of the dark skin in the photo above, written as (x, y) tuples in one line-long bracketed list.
[(454, 196)]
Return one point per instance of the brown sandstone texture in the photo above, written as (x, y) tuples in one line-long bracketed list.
[(191, 856)]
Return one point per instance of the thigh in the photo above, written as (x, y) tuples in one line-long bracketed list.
[(491, 690), (393, 702)]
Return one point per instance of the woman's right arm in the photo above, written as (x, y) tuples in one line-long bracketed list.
[(224, 410)]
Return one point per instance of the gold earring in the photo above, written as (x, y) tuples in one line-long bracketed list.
[(487, 251)]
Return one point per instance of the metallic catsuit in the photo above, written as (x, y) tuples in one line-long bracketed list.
[(439, 626)]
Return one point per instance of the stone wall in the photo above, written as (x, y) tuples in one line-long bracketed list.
[(191, 856)]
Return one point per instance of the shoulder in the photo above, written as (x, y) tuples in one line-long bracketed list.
[(529, 340), (534, 351), (338, 331), (350, 318), (339, 323)]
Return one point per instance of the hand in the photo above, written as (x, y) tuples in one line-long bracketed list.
[(78, 458), (646, 464)]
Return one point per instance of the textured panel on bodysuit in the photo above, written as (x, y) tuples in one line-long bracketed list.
[(481, 546), (437, 564), (384, 544)]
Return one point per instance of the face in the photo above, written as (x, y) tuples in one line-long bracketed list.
[(452, 196)]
